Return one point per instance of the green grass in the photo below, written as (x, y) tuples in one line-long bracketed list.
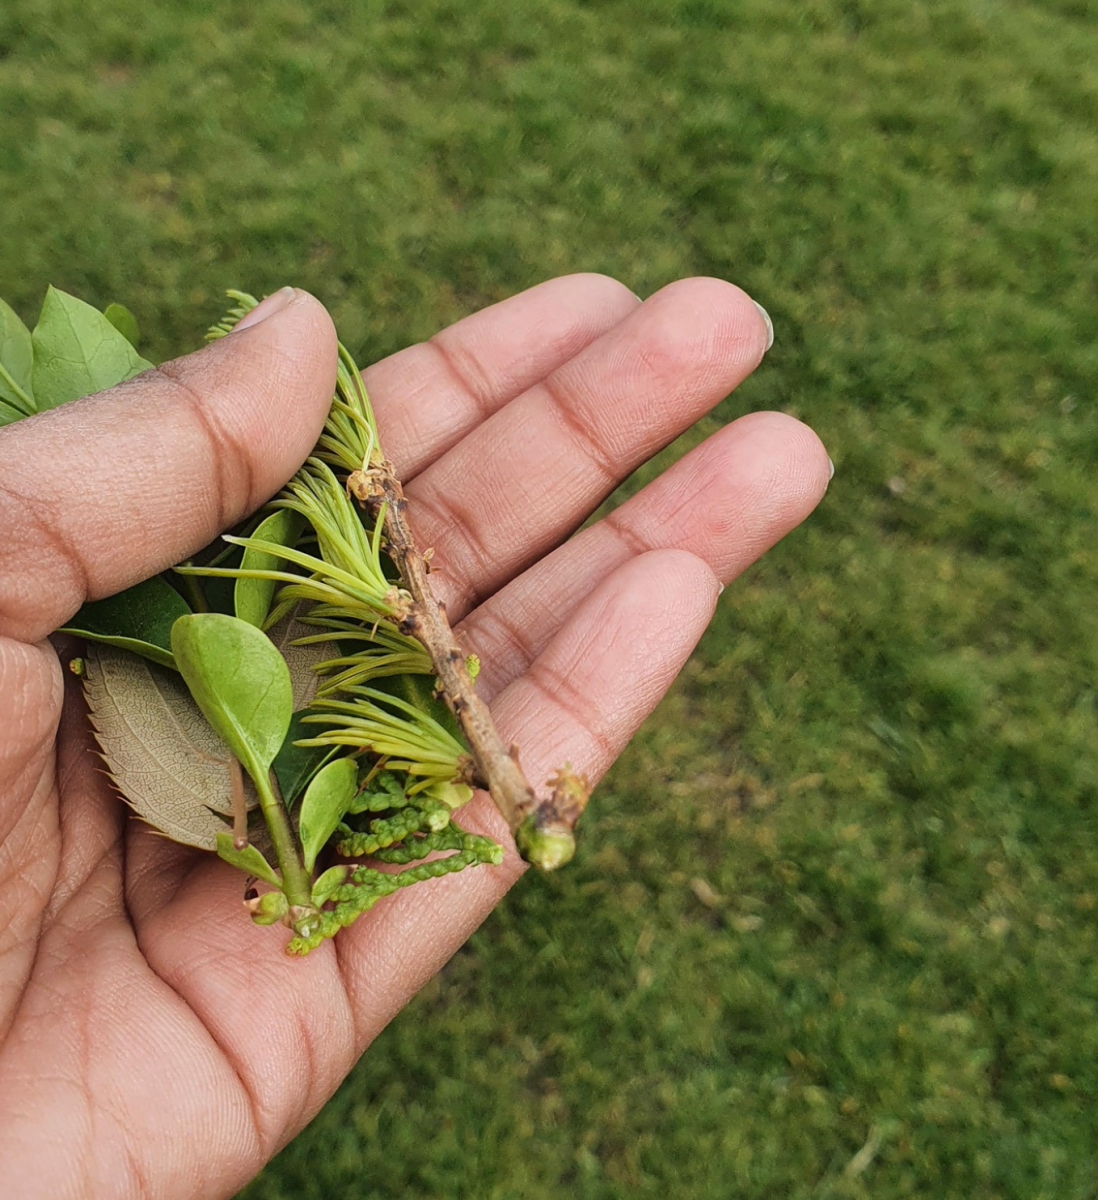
[(831, 932)]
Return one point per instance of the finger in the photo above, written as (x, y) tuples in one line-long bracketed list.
[(523, 480), (103, 492), (429, 396), (580, 702), (727, 501), (30, 707), (30, 704), (92, 813), (283, 1024)]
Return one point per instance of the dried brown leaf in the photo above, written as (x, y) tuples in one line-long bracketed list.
[(300, 659), (166, 760)]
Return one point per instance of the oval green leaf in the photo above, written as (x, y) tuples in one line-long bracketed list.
[(16, 367), (77, 351), (252, 597), (327, 883), (139, 619), (240, 682), (249, 859), (9, 415), (326, 799), (124, 321)]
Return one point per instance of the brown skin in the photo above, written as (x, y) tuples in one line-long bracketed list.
[(152, 1040)]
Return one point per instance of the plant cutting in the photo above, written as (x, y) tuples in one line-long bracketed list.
[(292, 698), (140, 1002)]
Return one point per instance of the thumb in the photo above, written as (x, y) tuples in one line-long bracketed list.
[(101, 493)]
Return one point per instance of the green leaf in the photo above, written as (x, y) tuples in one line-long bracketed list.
[(240, 682), (249, 859), (77, 351), (124, 321), (327, 883), (294, 765), (8, 414), (326, 799), (139, 619), (451, 793), (17, 363), (252, 597)]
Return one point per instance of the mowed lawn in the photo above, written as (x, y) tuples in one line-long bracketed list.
[(831, 931)]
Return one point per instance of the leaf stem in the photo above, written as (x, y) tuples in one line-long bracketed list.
[(240, 805), (296, 883)]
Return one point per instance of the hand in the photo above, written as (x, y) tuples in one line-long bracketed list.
[(152, 1040)]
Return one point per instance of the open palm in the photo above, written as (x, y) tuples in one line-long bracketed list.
[(152, 1040)]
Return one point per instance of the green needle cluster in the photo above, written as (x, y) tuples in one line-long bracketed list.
[(369, 885)]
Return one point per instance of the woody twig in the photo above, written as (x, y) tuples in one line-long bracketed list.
[(543, 830)]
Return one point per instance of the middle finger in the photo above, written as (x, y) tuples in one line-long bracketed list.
[(525, 478)]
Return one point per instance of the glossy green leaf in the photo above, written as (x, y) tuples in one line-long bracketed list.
[(16, 367), (240, 682), (77, 351), (249, 859), (252, 597), (326, 799), (139, 619), (294, 765), (124, 321)]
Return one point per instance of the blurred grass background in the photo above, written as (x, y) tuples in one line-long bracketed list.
[(831, 932)]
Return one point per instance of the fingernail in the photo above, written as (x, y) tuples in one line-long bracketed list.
[(273, 303), (830, 469), (720, 588), (769, 324)]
